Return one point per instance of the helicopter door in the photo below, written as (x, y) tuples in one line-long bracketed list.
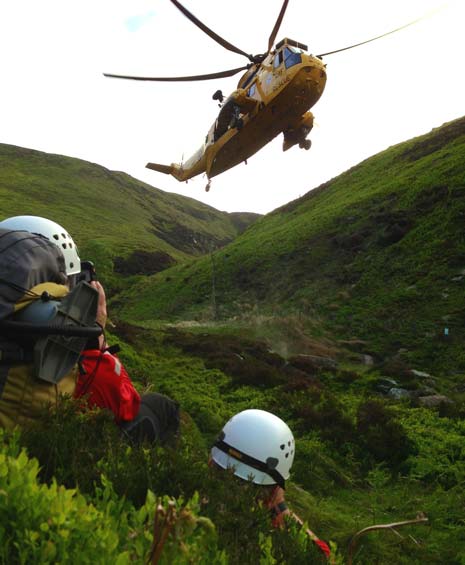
[(228, 112)]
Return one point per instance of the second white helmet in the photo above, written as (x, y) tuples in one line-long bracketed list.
[(53, 232), (258, 446)]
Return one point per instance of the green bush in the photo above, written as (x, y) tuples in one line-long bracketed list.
[(318, 410), (51, 524), (76, 447), (440, 451), (70, 442), (381, 436)]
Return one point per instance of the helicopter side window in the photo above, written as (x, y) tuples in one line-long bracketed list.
[(291, 58), (278, 59), (249, 75), (251, 90)]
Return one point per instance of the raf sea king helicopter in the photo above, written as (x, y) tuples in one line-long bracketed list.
[(273, 96)]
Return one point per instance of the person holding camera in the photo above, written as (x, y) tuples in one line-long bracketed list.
[(102, 380)]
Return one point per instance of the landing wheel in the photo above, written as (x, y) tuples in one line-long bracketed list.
[(305, 144)]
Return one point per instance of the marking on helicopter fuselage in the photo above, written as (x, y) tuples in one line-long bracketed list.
[(281, 83)]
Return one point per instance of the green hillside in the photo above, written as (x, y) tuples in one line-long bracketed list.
[(376, 254), (110, 214), (326, 312)]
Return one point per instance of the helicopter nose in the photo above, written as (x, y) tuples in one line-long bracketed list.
[(315, 78)]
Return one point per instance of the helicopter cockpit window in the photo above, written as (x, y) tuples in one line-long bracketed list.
[(251, 90), (278, 59), (291, 57)]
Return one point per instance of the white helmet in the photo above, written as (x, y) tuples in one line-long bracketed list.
[(257, 445), (53, 232)]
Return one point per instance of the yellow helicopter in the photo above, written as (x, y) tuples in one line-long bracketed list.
[(274, 95)]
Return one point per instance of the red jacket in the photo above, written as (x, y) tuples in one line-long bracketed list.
[(105, 383)]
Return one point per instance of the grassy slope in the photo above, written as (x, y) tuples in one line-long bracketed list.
[(377, 253), (110, 208), (304, 257)]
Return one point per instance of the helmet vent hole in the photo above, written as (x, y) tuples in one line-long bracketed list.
[(272, 462), (55, 236), (289, 443), (70, 245), (287, 455), (64, 245), (63, 235), (71, 265), (282, 446)]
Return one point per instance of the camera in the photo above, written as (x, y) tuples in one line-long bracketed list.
[(87, 273)]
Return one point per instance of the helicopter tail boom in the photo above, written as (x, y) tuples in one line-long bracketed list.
[(167, 169), (174, 170)]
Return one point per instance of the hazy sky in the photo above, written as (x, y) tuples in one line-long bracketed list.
[(55, 98)]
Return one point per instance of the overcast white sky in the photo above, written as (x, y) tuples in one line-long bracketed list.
[(55, 98)]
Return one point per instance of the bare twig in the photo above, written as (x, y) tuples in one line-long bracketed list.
[(163, 523), (414, 540), (420, 519)]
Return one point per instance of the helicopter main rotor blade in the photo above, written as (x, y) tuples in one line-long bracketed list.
[(277, 25), (209, 32), (221, 74), (370, 40)]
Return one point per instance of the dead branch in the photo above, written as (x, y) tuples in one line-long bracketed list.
[(420, 519), (163, 524)]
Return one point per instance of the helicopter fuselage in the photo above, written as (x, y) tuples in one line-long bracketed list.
[(273, 99)]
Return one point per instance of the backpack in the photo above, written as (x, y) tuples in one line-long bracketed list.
[(37, 361)]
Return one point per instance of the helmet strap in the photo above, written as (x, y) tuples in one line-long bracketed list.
[(251, 461)]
